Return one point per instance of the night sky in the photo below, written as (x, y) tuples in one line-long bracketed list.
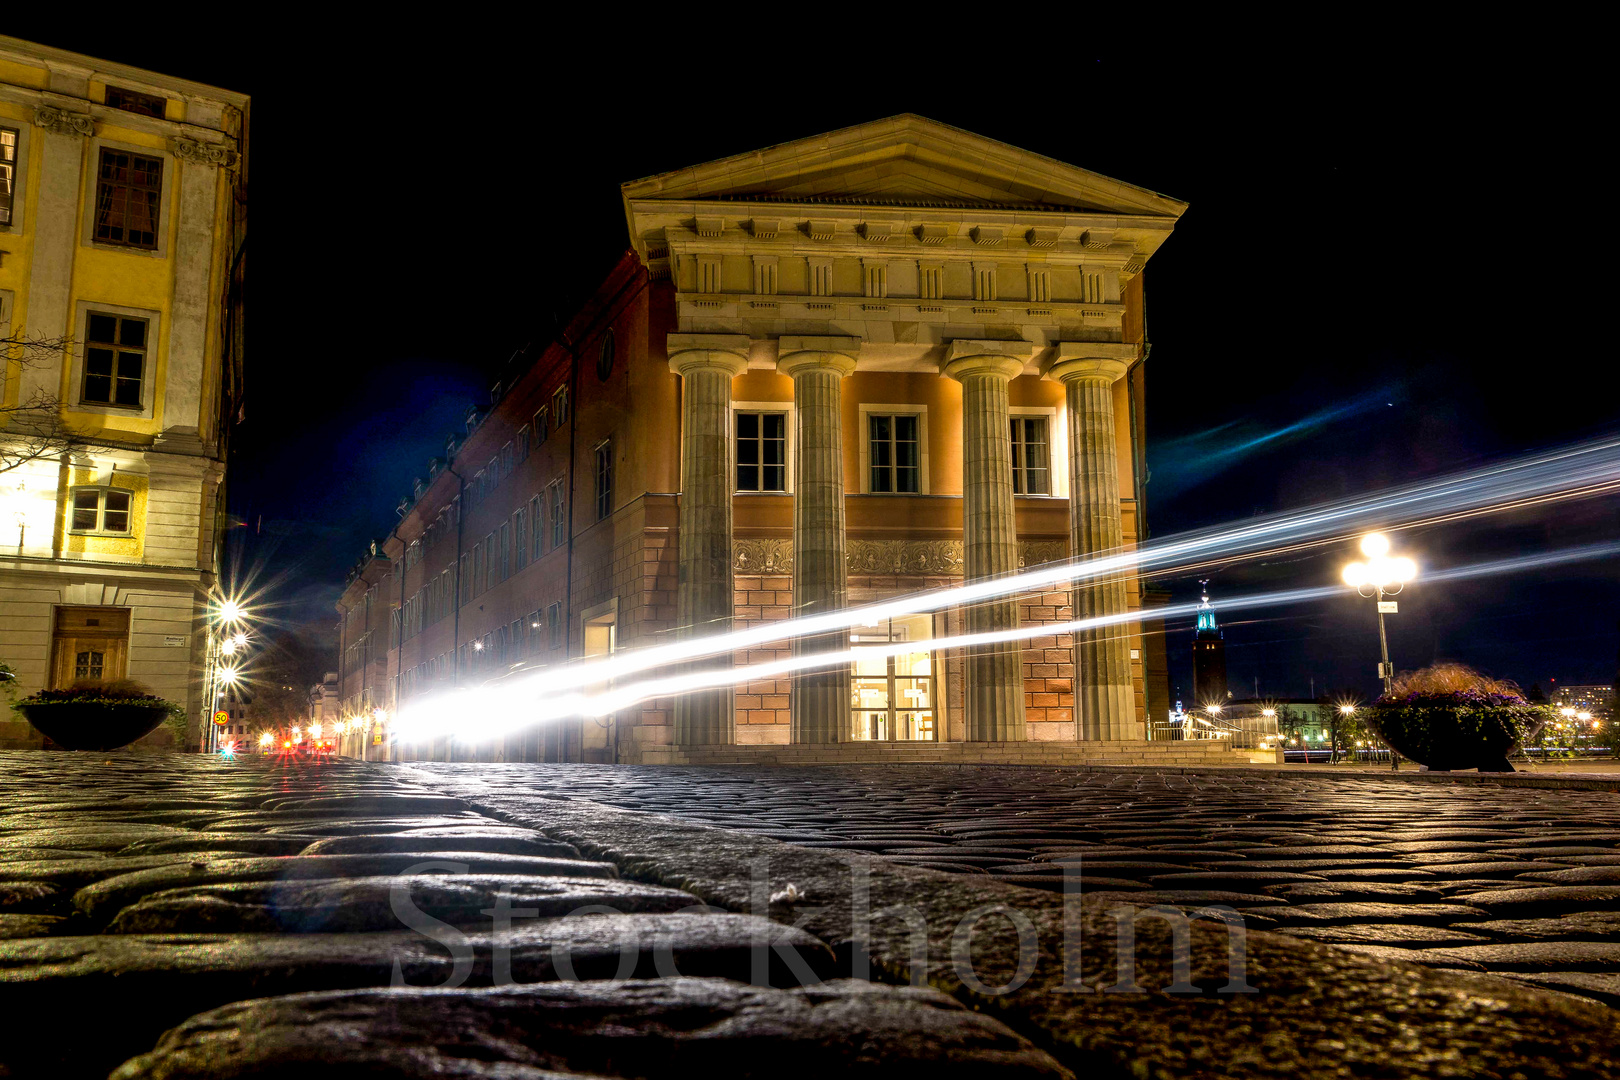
[(1385, 274)]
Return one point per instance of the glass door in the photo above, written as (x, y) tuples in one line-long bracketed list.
[(892, 690)]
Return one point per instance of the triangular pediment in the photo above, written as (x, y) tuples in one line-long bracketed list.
[(905, 160)]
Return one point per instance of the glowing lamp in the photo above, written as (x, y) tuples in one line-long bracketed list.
[(1268, 713), (264, 740), (1375, 545), (314, 731), (239, 640), (228, 647), (230, 611), (1355, 575), (229, 676), (1346, 710)]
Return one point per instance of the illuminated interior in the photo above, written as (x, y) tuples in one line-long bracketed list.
[(892, 697)]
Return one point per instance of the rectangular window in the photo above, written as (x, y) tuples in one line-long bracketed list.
[(135, 102), (100, 510), (8, 173), (128, 189), (1030, 458), (114, 360), (505, 556), (894, 450), (537, 525), (604, 479), (554, 626), (492, 476), (523, 444), (559, 406), (542, 426), (507, 459), (520, 547), (466, 577), (559, 526), (491, 567), (761, 451)]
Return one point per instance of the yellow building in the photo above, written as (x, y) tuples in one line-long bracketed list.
[(122, 247)]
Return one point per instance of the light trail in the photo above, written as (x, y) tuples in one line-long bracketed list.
[(1580, 471), (498, 707)]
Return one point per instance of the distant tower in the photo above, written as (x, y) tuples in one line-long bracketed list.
[(1209, 655)]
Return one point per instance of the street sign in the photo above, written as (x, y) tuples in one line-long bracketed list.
[(1386, 607), (174, 639), (222, 718)]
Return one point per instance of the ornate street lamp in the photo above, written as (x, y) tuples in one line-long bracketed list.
[(1380, 576)]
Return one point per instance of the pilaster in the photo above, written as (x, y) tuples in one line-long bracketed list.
[(819, 698)]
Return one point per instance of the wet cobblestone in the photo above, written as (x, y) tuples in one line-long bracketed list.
[(1360, 862)]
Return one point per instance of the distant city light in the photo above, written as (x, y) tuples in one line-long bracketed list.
[(265, 739)]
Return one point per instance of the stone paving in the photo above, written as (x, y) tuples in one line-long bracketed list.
[(195, 917), (1523, 883)]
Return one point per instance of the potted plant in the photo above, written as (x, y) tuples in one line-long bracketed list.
[(1451, 717), (95, 715)]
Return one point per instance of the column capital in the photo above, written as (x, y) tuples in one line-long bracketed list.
[(727, 353), (1103, 360), (796, 354), (1004, 358)]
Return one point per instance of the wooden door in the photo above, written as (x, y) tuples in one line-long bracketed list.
[(89, 643)]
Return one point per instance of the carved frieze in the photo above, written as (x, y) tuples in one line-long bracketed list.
[(62, 122), (201, 153), (905, 557), (1036, 552), (754, 556)]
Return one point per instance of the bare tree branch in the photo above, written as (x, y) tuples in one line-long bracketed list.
[(34, 428)]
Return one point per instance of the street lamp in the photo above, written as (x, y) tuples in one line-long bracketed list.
[(1380, 576)]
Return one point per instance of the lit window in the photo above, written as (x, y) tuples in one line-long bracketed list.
[(128, 189), (100, 510), (114, 360), (761, 451), (895, 461), (1030, 458), (559, 406), (8, 172), (604, 480)]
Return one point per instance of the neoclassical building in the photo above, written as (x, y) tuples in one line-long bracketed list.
[(892, 358), (122, 254)]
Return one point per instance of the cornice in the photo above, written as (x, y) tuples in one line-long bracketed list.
[(50, 102), (28, 52)]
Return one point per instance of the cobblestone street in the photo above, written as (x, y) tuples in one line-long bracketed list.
[(1521, 882), (251, 917)]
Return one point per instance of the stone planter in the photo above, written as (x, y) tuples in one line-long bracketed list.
[(84, 725), (1445, 736)]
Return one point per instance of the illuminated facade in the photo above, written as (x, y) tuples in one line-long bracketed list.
[(888, 359), (122, 228)]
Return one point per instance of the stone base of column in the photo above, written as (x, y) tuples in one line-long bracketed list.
[(820, 704), (1107, 713), (705, 717), (995, 694)]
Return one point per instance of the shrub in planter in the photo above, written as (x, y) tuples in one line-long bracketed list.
[(1449, 717), (97, 715)]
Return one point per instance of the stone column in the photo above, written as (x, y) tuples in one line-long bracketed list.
[(58, 150), (820, 697), (1104, 702), (706, 364), (995, 673)]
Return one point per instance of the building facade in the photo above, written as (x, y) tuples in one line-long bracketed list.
[(889, 359), (122, 242)]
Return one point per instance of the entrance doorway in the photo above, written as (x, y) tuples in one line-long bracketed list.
[(89, 644), (892, 691), (599, 733)]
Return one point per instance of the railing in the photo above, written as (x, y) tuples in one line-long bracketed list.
[(1257, 733)]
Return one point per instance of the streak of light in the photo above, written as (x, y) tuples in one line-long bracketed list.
[(1584, 470), (507, 705)]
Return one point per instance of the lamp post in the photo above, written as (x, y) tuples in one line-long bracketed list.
[(227, 646), (1380, 576)]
